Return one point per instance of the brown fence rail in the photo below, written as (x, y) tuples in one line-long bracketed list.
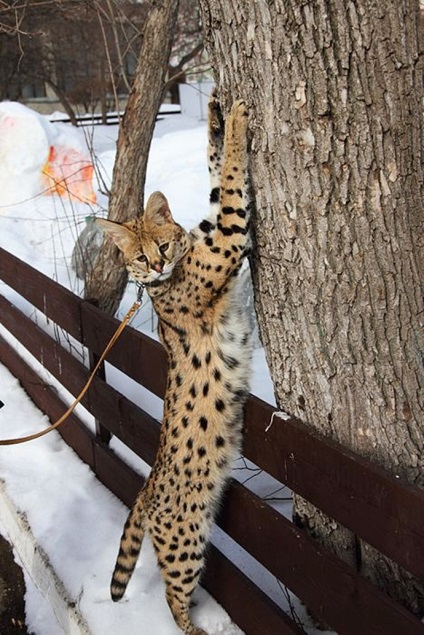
[(385, 512)]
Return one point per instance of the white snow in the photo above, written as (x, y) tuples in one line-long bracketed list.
[(74, 518)]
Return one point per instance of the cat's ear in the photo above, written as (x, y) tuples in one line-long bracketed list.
[(157, 210), (121, 235)]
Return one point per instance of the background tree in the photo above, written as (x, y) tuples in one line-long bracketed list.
[(86, 52), (335, 96), (187, 46), (107, 279)]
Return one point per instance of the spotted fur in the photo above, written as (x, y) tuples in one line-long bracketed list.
[(191, 279)]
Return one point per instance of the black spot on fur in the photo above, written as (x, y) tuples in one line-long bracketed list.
[(227, 231), (219, 441), (214, 195), (237, 229), (206, 226), (217, 374), (219, 405), (196, 361), (203, 423), (230, 362)]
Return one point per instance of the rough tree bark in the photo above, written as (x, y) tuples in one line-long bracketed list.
[(107, 279), (335, 94)]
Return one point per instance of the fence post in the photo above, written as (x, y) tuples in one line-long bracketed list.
[(102, 433)]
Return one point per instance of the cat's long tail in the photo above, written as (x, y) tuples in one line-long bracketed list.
[(129, 549)]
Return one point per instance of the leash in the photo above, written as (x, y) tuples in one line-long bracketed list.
[(126, 320)]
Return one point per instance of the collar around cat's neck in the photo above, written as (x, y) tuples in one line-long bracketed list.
[(157, 287)]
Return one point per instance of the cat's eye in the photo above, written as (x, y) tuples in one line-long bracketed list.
[(142, 258), (164, 247)]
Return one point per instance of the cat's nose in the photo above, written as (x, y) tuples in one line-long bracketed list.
[(158, 266)]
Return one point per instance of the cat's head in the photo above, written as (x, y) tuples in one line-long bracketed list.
[(152, 244)]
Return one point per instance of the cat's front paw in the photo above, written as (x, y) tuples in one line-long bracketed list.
[(215, 119), (237, 121), (239, 112)]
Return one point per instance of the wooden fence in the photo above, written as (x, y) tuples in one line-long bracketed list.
[(385, 512)]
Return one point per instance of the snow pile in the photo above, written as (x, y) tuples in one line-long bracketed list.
[(40, 158)]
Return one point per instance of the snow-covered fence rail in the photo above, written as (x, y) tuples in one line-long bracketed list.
[(379, 508)]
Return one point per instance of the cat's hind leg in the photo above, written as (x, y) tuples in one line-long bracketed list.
[(180, 559), (179, 605)]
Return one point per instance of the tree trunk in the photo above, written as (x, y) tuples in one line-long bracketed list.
[(335, 94), (107, 280)]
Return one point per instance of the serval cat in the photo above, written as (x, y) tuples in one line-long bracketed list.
[(191, 279)]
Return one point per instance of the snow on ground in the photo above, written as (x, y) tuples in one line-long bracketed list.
[(76, 520)]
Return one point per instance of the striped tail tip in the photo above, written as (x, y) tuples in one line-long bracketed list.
[(117, 590)]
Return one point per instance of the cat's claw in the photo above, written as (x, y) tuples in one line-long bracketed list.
[(239, 109)]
